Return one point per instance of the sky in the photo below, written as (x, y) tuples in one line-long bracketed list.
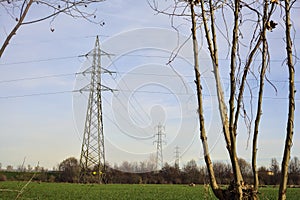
[(42, 113)]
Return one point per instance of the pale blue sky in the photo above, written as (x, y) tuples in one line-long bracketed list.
[(48, 128)]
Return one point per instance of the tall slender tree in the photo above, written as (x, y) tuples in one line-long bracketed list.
[(292, 91), (209, 165)]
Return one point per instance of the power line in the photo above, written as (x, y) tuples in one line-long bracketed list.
[(40, 60), (133, 97), (157, 92), (138, 91), (61, 39), (120, 55), (36, 94), (129, 73), (38, 77), (192, 76), (122, 129), (104, 36), (130, 103)]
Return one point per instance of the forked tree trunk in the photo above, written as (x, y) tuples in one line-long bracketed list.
[(290, 122), (230, 137)]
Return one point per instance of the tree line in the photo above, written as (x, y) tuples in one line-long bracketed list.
[(145, 173)]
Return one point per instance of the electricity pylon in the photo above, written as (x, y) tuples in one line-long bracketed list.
[(177, 156), (159, 142), (92, 159)]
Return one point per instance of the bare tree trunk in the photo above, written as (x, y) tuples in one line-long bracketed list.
[(232, 130), (260, 95), (290, 122), (216, 189), (228, 132), (215, 61), (235, 39), (14, 31)]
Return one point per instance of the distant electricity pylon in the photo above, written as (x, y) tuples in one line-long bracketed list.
[(159, 142), (92, 159), (177, 156)]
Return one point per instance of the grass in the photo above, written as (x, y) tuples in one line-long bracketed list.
[(67, 191)]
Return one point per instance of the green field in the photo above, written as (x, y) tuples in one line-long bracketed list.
[(119, 192)]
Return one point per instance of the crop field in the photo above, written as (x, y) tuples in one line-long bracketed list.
[(9, 190)]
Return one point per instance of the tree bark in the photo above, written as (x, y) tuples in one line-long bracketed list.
[(216, 189), (232, 130), (290, 122), (260, 96), (215, 61), (228, 132)]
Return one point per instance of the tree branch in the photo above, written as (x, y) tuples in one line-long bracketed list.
[(14, 31)]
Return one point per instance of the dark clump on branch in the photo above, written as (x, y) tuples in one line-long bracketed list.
[(195, 2), (271, 25)]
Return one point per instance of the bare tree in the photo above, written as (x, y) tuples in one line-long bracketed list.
[(274, 166), (292, 91), (294, 166), (275, 169), (223, 172), (294, 171), (192, 172), (70, 170), (264, 66), (209, 165), (230, 120), (19, 10), (9, 168), (245, 167), (203, 16)]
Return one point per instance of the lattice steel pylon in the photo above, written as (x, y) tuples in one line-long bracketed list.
[(159, 148), (92, 158), (177, 156)]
